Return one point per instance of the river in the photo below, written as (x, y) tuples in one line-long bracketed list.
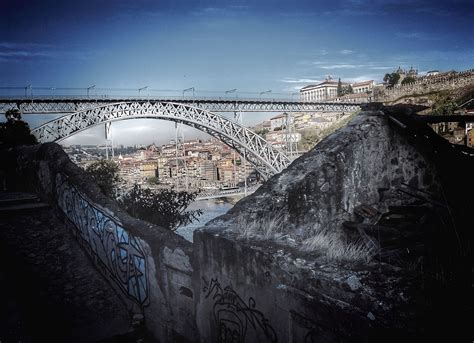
[(211, 208)]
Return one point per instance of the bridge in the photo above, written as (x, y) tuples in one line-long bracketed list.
[(43, 105), (82, 113), (221, 193)]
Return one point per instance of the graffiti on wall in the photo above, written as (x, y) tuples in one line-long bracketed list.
[(235, 318), (116, 251)]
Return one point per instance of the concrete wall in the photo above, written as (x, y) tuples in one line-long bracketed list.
[(149, 266), (251, 291)]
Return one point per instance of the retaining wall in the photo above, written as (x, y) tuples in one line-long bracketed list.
[(149, 266), (425, 85)]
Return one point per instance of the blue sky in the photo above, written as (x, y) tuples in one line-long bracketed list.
[(219, 45)]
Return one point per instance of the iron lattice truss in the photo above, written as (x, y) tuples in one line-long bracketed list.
[(32, 106), (266, 159)]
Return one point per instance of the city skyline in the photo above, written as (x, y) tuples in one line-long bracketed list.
[(220, 45)]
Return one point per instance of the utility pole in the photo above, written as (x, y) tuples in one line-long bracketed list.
[(176, 154)]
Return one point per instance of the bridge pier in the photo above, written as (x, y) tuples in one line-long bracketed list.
[(109, 144)]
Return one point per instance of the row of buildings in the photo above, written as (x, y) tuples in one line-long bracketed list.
[(190, 165), (328, 90), (360, 91), (284, 131)]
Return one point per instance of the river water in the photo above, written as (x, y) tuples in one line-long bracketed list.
[(211, 208)]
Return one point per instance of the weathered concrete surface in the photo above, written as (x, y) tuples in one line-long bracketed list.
[(320, 190), (276, 290), (262, 292), (166, 271), (58, 295)]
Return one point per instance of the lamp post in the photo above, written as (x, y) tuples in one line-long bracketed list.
[(26, 90), (187, 90), (264, 92), (89, 88), (231, 91), (141, 89)]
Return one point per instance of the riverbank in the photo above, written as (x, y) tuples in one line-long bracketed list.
[(211, 208)]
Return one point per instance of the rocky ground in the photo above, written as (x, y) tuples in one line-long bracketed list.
[(50, 291)]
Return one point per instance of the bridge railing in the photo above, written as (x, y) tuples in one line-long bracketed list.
[(109, 98)]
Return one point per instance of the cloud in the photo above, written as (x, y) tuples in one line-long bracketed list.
[(301, 80), (346, 52), (221, 11), (21, 46), (17, 53), (364, 78), (20, 52), (417, 35), (341, 66), (372, 66), (292, 89)]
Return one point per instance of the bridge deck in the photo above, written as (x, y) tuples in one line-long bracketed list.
[(41, 104)]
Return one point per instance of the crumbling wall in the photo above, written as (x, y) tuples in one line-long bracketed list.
[(148, 266)]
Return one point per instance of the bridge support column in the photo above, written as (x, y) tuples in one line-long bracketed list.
[(109, 145)]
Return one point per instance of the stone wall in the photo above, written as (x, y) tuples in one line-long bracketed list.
[(257, 291), (425, 85), (149, 266)]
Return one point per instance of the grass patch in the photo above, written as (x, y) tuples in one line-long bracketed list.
[(264, 228), (333, 247), (326, 244)]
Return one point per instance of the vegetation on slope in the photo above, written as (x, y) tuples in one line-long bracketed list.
[(309, 138)]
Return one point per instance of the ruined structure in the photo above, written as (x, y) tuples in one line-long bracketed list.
[(382, 182)]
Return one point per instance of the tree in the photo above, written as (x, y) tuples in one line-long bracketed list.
[(443, 105), (15, 131), (105, 174), (262, 132), (347, 90), (166, 208), (407, 80), (391, 79), (153, 180), (339, 88)]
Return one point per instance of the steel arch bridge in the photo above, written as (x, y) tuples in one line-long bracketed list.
[(39, 105), (266, 159)]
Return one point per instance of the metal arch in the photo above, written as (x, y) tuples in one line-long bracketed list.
[(60, 105), (266, 159)]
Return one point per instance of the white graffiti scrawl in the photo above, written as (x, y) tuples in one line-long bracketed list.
[(113, 249)]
